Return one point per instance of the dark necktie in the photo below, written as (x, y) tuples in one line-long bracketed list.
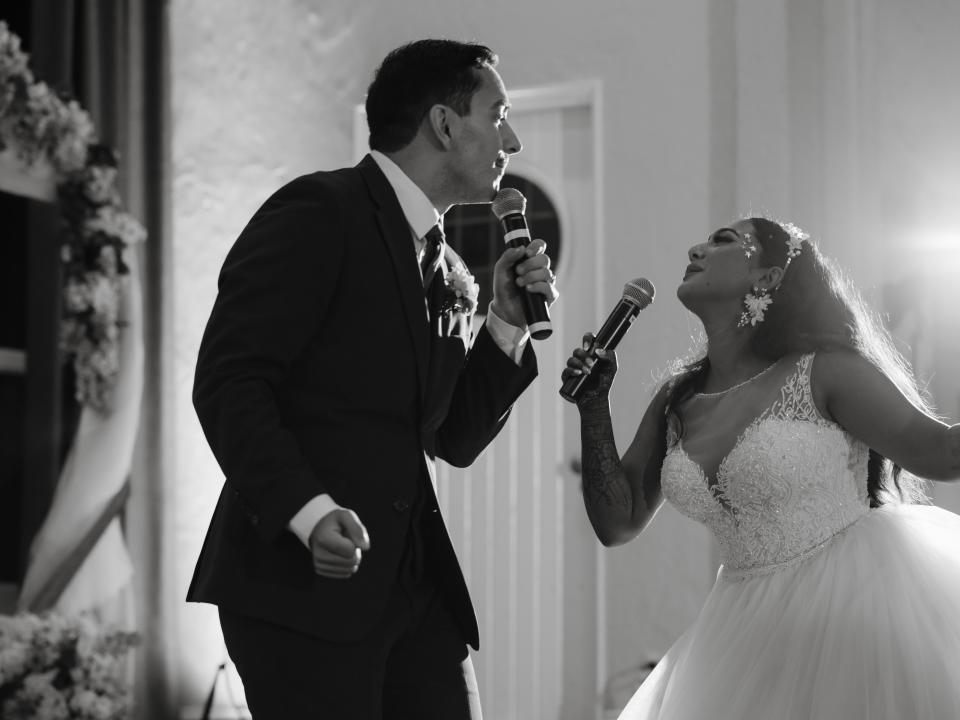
[(432, 254)]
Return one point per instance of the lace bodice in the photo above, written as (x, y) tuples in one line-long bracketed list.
[(791, 482)]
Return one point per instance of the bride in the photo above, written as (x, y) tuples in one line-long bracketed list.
[(839, 593)]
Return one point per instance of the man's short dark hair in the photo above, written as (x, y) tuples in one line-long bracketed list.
[(415, 77)]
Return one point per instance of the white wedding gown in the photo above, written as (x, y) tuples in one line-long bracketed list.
[(823, 608)]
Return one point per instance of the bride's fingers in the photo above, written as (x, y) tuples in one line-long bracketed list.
[(580, 363), (571, 372)]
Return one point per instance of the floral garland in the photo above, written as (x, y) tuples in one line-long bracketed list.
[(52, 666), (40, 125)]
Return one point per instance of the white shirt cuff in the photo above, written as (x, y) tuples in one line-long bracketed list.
[(509, 338), (309, 515)]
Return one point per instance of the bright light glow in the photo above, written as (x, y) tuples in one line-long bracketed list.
[(937, 242), (932, 254)]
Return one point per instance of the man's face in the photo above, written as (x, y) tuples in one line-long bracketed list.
[(483, 141)]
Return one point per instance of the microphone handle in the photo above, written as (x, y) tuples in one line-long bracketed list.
[(612, 331), (616, 325), (535, 311)]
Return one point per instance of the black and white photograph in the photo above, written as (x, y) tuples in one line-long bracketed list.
[(529, 360)]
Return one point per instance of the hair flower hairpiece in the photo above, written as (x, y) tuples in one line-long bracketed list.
[(795, 241), (757, 302)]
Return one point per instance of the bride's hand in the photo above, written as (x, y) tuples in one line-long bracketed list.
[(601, 371)]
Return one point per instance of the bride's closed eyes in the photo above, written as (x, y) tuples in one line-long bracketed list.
[(723, 236)]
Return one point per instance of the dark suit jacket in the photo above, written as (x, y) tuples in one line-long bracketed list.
[(317, 373)]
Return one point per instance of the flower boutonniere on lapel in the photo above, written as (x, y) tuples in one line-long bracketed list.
[(460, 291)]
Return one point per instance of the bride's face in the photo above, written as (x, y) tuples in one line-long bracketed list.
[(719, 270)]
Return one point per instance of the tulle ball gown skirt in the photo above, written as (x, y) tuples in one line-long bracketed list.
[(868, 628)]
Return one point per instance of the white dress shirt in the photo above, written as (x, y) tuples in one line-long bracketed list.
[(421, 215)]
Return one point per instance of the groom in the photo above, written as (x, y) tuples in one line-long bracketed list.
[(336, 365)]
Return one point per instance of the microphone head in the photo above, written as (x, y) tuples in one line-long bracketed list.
[(509, 201), (640, 292)]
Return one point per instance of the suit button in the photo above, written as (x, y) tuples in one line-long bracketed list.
[(401, 506)]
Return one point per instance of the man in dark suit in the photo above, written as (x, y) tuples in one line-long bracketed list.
[(333, 371)]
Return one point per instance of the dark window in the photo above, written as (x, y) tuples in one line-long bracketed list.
[(474, 232)]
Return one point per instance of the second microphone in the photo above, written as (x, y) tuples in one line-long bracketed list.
[(637, 294)]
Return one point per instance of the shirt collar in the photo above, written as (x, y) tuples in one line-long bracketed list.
[(420, 213)]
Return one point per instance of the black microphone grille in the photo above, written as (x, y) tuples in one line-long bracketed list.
[(639, 291), (508, 201)]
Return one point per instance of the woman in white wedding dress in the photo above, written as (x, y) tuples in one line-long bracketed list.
[(839, 593)]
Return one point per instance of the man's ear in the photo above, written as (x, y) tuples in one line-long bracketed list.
[(442, 123), (769, 278)]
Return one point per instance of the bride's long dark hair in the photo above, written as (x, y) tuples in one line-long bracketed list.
[(817, 308)]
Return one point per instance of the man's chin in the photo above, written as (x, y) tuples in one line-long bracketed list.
[(482, 197), (496, 187)]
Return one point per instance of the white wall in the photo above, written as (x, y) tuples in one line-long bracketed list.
[(711, 108)]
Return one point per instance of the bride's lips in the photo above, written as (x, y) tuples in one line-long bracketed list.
[(691, 269)]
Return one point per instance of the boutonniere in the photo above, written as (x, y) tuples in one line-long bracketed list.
[(460, 291)]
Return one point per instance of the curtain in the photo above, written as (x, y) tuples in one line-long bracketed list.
[(99, 546)]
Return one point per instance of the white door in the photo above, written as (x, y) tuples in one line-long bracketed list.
[(516, 516)]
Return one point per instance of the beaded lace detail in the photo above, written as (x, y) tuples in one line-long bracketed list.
[(791, 483)]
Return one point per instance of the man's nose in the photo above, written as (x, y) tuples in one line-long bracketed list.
[(511, 143)]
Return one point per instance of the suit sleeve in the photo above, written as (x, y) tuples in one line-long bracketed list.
[(488, 385), (274, 289)]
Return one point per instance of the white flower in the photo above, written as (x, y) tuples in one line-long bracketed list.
[(99, 183), (15, 627), (13, 61), (74, 135), (103, 295), (74, 651), (15, 656), (37, 692), (756, 307), (794, 243), (76, 296), (461, 282), (91, 705), (110, 221)]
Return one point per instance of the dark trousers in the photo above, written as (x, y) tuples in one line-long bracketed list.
[(414, 666)]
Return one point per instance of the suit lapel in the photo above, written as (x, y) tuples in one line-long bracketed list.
[(395, 233)]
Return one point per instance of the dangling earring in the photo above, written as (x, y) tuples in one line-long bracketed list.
[(756, 304)]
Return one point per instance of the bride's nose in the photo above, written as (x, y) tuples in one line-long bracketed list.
[(695, 253)]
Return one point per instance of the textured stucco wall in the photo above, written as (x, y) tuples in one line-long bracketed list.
[(263, 92)]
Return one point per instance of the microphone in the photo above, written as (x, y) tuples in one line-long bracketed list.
[(509, 206), (637, 294)]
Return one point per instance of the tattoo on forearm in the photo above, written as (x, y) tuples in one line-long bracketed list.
[(603, 477)]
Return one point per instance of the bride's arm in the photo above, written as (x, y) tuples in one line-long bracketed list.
[(621, 495), (850, 390)]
